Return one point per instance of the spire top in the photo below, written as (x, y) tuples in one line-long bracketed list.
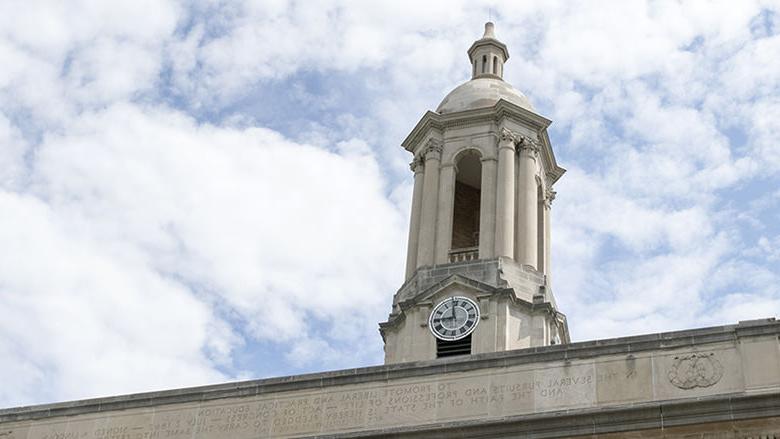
[(490, 30)]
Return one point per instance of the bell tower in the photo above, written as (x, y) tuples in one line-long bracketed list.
[(478, 273)]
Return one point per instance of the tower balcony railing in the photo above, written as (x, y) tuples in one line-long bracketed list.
[(464, 254)]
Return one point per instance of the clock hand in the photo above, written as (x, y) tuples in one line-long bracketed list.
[(452, 301)]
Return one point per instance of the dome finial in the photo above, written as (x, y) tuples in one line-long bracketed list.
[(489, 30)]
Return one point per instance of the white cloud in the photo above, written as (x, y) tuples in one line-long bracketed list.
[(138, 182), (12, 158), (175, 216), (77, 321)]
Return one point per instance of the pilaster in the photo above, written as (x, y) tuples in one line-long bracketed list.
[(427, 238), (418, 167), (487, 214), (549, 196), (444, 219), (526, 238), (505, 197)]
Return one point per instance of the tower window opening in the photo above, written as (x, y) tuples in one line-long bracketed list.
[(484, 63), (495, 65), (466, 207), (475, 67)]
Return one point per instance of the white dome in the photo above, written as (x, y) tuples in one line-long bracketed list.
[(481, 93)]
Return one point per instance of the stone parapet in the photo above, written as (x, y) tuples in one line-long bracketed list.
[(661, 382)]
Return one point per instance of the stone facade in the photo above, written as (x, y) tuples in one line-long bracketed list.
[(517, 311), (721, 382)]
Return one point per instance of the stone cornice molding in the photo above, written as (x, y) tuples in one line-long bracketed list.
[(497, 114), (488, 42), (433, 149)]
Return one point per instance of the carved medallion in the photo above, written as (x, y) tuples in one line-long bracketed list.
[(695, 370)]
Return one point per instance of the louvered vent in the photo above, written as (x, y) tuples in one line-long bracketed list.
[(453, 348)]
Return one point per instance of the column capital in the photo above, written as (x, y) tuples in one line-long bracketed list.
[(417, 165), (433, 149), (529, 145), (507, 135), (507, 139), (549, 196)]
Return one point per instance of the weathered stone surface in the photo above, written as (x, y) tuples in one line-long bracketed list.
[(517, 310), (582, 380)]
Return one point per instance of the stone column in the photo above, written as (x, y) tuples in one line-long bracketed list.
[(414, 223), (487, 213), (527, 204), (427, 238), (549, 196), (444, 219), (505, 195)]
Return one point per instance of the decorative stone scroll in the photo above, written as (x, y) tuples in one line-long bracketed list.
[(525, 143), (508, 136), (417, 165), (695, 370), (433, 149), (549, 196)]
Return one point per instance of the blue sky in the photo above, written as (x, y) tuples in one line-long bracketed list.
[(199, 192)]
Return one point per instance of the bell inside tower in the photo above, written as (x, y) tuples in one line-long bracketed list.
[(466, 207)]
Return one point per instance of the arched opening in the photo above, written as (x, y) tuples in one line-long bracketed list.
[(475, 67), (466, 207), (495, 65), (484, 63)]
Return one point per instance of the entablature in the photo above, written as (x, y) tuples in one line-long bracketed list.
[(434, 125)]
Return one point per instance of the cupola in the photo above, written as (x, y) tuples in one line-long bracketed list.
[(478, 256), (488, 55)]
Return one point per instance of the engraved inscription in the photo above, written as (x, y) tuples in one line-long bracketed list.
[(695, 370), (342, 410), (378, 405)]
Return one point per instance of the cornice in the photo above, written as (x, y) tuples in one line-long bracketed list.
[(488, 42), (503, 109), (554, 172), (457, 278)]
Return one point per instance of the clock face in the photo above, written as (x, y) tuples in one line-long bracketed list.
[(454, 318)]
